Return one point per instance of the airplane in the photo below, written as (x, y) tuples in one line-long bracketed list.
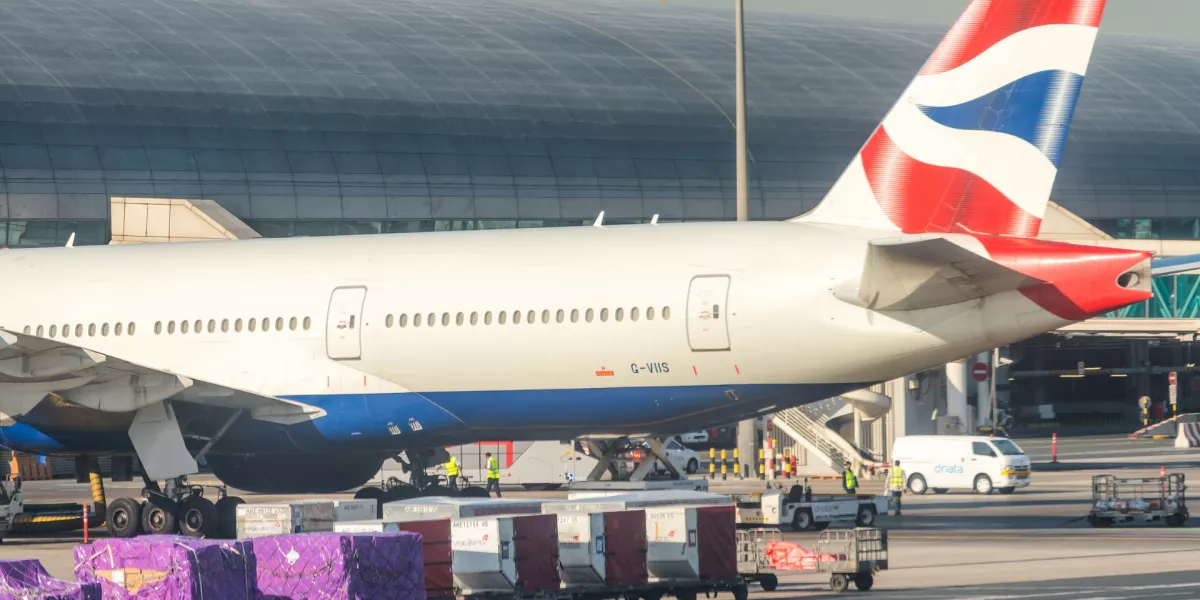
[(300, 364)]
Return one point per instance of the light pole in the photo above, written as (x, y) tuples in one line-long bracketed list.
[(747, 431), (743, 185)]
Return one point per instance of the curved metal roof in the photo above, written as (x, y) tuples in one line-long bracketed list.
[(507, 109)]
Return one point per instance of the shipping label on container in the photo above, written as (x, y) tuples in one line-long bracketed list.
[(669, 525), (373, 526), (573, 529), (263, 528), (475, 535), (264, 512)]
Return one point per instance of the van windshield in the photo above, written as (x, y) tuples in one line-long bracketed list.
[(1007, 448)]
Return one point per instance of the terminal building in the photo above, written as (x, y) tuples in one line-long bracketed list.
[(136, 119)]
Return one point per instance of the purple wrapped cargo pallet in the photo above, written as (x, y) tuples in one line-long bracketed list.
[(165, 567), (26, 579), (340, 566)]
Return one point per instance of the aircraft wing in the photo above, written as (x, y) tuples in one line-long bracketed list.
[(32, 368), (929, 271)]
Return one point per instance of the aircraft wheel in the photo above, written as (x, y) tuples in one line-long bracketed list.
[(227, 517), (158, 516), (769, 583), (198, 517), (124, 518)]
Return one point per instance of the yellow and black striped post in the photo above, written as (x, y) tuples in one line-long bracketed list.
[(724, 466), (736, 461), (712, 463), (762, 464)]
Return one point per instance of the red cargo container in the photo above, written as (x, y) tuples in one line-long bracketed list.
[(535, 552), (716, 536), (625, 548), (439, 571)]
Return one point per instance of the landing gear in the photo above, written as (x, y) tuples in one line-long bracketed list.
[(180, 507), (416, 462), (613, 456), (124, 518)]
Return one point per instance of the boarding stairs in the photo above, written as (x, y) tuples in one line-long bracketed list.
[(809, 425)]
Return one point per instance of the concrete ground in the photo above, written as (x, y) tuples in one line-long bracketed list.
[(1029, 545)]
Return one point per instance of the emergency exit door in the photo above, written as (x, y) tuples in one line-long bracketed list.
[(708, 313), (343, 327)]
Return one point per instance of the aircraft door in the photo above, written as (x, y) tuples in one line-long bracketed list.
[(343, 326), (708, 313)]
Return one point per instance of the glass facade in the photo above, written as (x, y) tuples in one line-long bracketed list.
[(317, 116), (1175, 297)]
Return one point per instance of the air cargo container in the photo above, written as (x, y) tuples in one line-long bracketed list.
[(508, 555), (279, 518), (436, 508), (602, 550), (359, 509)]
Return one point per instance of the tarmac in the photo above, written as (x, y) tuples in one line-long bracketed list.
[(1032, 544)]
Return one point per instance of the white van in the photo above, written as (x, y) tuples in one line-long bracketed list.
[(972, 462)]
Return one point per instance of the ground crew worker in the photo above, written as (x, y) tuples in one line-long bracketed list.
[(493, 468), (452, 473), (896, 483), (849, 481)]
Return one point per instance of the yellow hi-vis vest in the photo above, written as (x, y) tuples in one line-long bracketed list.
[(849, 480), (493, 468), (897, 479), (452, 467)]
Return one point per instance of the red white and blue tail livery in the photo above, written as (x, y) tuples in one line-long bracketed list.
[(281, 357), (973, 144)]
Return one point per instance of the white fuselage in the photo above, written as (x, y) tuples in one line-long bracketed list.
[(784, 333)]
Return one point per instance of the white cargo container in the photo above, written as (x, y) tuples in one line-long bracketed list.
[(672, 550), (365, 526), (602, 550), (486, 551), (634, 500), (355, 510), (438, 508), (258, 520)]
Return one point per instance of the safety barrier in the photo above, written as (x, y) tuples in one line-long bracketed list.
[(1189, 436)]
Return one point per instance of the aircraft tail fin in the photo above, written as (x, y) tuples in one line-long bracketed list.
[(973, 144)]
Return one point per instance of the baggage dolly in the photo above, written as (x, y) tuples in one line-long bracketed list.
[(858, 554), (753, 564), (1145, 499)]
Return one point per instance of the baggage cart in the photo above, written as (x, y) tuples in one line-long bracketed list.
[(1144, 499), (753, 564), (857, 555)]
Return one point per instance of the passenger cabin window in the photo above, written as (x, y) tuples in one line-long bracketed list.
[(212, 328), (650, 314), (458, 320), (487, 318), (251, 325), (91, 333), (53, 333), (416, 323), (292, 326), (132, 328), (307, 323), (39, 334), (516, 321), (666, 313), (266, 324), (183, 328), (387, 322), (982, 449), (574, 315), (603, 315), (237, 326), (588, 317), (170, 330), (117, 329), (633, 314), (198, 326), (224, 327), (79, 332), (403, 323), (279, 325), (157, 330), (620, 314)]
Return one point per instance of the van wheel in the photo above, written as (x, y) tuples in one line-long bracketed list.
[(983, 484), (1006, 490), (692, 467), (940, 490), (917, 485)]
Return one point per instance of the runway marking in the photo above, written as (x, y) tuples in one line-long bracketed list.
[(1052, 538), (1137, 588)]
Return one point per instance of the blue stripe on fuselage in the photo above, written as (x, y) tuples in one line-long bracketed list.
[(570, 412), (393, 422)]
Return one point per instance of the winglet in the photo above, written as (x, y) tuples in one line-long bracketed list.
[(654, 219), (71, 240), (599, 220)]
